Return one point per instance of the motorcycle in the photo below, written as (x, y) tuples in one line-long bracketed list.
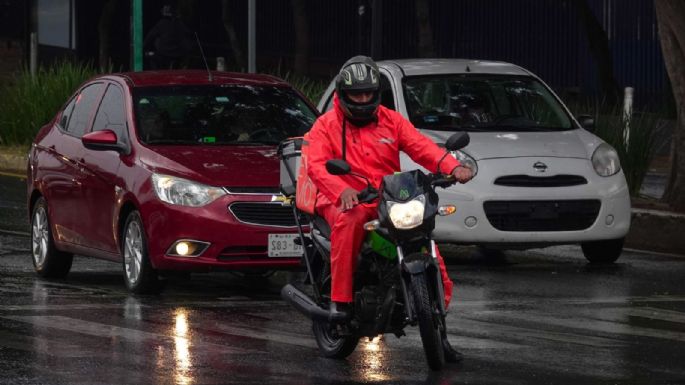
[(397, 281)]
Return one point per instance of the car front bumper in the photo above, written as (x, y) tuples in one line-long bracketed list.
[(471, 225), (233, 244)]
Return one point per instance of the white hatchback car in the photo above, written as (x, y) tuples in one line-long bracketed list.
[(542, 178)]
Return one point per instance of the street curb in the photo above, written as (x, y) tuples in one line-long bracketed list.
[(650, 230), (12, 162), (655, 230)]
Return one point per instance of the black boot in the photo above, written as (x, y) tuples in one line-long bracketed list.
[(340, 312), (451, 354)]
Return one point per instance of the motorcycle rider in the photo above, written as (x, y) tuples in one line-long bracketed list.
[(374, 136)]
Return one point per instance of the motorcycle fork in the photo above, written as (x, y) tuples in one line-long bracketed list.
[(439, 291)]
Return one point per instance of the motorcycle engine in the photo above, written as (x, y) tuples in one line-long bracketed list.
[(367, 302)]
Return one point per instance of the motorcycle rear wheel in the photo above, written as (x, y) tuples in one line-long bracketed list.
[(331, 346), (430, 321)]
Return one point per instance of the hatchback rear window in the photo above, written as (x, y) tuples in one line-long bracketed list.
[(220, 115)]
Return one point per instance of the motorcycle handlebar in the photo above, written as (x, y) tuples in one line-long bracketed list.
[(367, 195), (443, 180)]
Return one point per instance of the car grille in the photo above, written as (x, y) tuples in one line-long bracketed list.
[(540, 181), (253, 190), (243, 253), (263, 213), (566, 215)]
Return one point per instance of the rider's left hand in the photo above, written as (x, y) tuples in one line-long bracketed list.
[(462, 174)]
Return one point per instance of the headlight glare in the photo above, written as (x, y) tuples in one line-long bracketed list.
[(407, 215), (605, 160), (179, 191)]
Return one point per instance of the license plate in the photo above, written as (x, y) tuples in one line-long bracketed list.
[(283, 245)]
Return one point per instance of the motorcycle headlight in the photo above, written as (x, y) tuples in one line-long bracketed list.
[(466, 160), (407, 215), (605, 160), (179, 191)]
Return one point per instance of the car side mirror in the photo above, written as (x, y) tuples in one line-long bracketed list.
[(338, 167), (103, 140), (587, 122), (457, 141)]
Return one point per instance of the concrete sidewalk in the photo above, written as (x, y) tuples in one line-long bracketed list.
[(653, 227)]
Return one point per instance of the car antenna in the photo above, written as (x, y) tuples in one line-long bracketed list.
[(209, 73)]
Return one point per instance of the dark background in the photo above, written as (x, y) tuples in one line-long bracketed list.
[(547, 37)]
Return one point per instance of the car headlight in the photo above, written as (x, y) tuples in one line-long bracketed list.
[(407, 215), (605, 160), (466, 160), (179, 191)]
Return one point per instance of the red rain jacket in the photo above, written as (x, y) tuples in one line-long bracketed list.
[(372, 151)]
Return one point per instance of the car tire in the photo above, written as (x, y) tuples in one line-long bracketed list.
[(139, 275), (603, 251), (48, 261)]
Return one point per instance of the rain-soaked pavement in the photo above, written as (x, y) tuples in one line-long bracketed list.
[(542, 316), (13, 215)]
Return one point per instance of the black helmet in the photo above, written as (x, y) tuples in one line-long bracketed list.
[(359, 74)]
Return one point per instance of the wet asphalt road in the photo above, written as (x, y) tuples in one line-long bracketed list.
[(542, 316), (13, 215)]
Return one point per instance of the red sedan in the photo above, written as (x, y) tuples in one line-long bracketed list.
[(164, 171)]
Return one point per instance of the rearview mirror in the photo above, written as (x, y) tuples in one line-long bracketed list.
[(102, 140), (338, 167), (457, 141)]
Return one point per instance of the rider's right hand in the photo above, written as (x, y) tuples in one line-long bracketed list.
[(348, 198), (462, 174)]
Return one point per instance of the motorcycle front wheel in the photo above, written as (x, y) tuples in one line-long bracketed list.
[(430, 321)]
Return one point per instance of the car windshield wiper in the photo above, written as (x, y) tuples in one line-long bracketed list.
[(514, 127), (247, 143), (172, 141), (452, 127)]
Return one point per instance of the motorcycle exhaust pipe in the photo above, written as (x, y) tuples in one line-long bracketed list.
[(304, 304)]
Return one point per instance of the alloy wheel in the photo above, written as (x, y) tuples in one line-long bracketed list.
[(133, 252), (39, 236)]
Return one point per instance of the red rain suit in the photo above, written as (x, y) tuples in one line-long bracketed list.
[(372, 151)]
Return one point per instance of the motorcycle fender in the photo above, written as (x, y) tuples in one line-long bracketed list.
[(417, 265)]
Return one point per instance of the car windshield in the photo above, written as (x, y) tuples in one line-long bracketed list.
[(483, 103), (220, 115)]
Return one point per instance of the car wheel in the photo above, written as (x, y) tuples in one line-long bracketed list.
[(603, 251), (47, 260), (139, 275)]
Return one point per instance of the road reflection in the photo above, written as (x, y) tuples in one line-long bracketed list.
[(373, 355), (182, 348)]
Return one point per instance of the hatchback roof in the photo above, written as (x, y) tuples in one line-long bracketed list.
[(196, 77), (416, 67)]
